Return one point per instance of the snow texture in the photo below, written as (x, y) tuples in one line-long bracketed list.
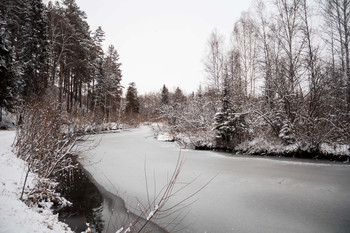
[(337, 149), (15, 215), (259, 145), (246, 195), (165, 137)]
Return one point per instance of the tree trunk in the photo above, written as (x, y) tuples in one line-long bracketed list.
[(105, 108), (68, 88), (80, 93), (88, 96), (60, 82), (347, 55), (71, 93)]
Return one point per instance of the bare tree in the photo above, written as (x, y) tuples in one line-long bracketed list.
[(337, 18), (244, 43), (287, 30), (45, 139), (214, 62), (266, 46)]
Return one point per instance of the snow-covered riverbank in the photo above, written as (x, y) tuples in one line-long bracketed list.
[(15, 216), (247, 194)]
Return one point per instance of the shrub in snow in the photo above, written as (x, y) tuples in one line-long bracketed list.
[(287, 133), (262, 146), (188, 120), (15, 215), (44, 139), (225, 127), (229, 124), (43, 193)]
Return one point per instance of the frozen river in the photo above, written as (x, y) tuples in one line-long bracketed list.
[(246, 195)]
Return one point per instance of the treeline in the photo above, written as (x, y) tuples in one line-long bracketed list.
[(49, 50), (283, 79)]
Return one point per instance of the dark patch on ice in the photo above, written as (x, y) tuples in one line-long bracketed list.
[(92, 204), (87, 202)]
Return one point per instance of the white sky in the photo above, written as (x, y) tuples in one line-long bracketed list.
[(160, 41)]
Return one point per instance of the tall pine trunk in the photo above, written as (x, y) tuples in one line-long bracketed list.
[(80, 92), (60, 82), (68, 89)]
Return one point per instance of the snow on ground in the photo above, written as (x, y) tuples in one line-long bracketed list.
[(165, 137), (15, 215), (337, 149), (260, 144), (246, 195)]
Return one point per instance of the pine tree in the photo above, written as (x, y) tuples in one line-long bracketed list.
[(99, 88), (108, 88), (225, 121), (11, 34), (178, 98), (77, 68), (113, 73), (287, 133), (34, 54), (132, 102), (96, 93), (164, 96), (7, 80)]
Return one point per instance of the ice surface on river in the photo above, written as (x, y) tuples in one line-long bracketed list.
[(247, 194)]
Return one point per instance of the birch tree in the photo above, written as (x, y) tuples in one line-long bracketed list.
[(214, 62)]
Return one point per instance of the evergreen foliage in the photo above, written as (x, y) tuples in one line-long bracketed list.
[(178, 97), (132, 102), (52, 72), (8, 90), (51, 47), (165, 96), (108, 88), (225, 121), (34, 52)]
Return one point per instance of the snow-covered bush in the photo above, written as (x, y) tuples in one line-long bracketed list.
[(44, 140), (44, 192), (287, 133), (189, 121)]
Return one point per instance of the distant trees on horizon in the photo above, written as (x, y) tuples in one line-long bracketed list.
[(283, 78)]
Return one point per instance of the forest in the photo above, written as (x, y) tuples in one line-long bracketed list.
[(278, 86)]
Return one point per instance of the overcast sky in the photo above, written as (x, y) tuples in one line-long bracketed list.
[(160, 41)]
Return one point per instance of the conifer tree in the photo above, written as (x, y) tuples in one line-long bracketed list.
[(96, 92), (164, 95), (178, 97), (7, 80), (108, 88), (34, 54), (132, 101), (225, 121)]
